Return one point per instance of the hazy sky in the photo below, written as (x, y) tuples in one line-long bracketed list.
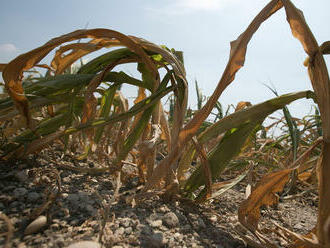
[(201, 29)]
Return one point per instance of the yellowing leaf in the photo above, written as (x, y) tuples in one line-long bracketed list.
[(242, 105), (263, 194), (13, 72)]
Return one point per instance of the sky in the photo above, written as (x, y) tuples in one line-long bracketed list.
[(202, 29)]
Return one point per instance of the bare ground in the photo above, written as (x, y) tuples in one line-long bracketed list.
[(85, 209)]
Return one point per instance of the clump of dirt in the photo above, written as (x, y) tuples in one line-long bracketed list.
[(80, 207)]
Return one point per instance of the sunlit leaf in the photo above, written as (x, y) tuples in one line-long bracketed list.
[(264, 193)]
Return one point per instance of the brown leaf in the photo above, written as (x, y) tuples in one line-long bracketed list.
[(319, 77), (141, 95), (165, 129), (325, 47), (206, 167), (77, 50), (37, 145), (13, 72), (2, 67), (296, 240), (242, 105), (316, 67), (236, 61), (263, 194)]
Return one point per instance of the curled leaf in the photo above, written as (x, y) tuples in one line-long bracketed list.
[(263, 194), (13, 72)]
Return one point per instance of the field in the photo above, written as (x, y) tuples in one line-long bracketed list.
[(77, 160)]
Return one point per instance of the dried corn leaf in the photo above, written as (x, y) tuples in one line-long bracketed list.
[(325, 47), (319, 77), (255, 112), (77, 50), (242, 105), (219, 157), (236, 61), (101, 62), (38, 144), (305, 176), (165, 129), (135, 134), (317, 68), (2, 67), (300, 241), (264, 193), (13, 72)]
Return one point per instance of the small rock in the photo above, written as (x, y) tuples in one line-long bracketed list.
[(36, 225), (145, 229), (298, 226), (201, 223), (59, 242), (128, 230), (84, 197), (164, 209), (9, 188), (65, 195), (125, 222), (156, 223), (73, 197), (14, 204), (178, 236), (120, 231), (22, 176), (20, 192), (214, 218), (156, 239), (15, 220), (85, 244), (33, 196), (66, 179), (55, 226), (2, 206), (21, 245), (170, 219), (90, 209), (74, 222), (163, 228)]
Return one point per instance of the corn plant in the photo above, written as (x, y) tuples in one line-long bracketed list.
[(87, 105)]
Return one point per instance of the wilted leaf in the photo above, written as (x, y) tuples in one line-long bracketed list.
[(264, 193), (242, 105), (319, 77), (218, 158), (13, 72), (325, 47), (255, 112), (296, 240), (236, 61), (77, 50), (2, 67)]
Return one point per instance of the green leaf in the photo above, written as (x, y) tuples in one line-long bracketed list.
[(106, 103), (229, 146), (255, 113), (98, 64)]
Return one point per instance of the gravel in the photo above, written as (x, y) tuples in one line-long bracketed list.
[(78, 215)]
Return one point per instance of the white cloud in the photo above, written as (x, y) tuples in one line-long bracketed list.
[(8, 48)]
